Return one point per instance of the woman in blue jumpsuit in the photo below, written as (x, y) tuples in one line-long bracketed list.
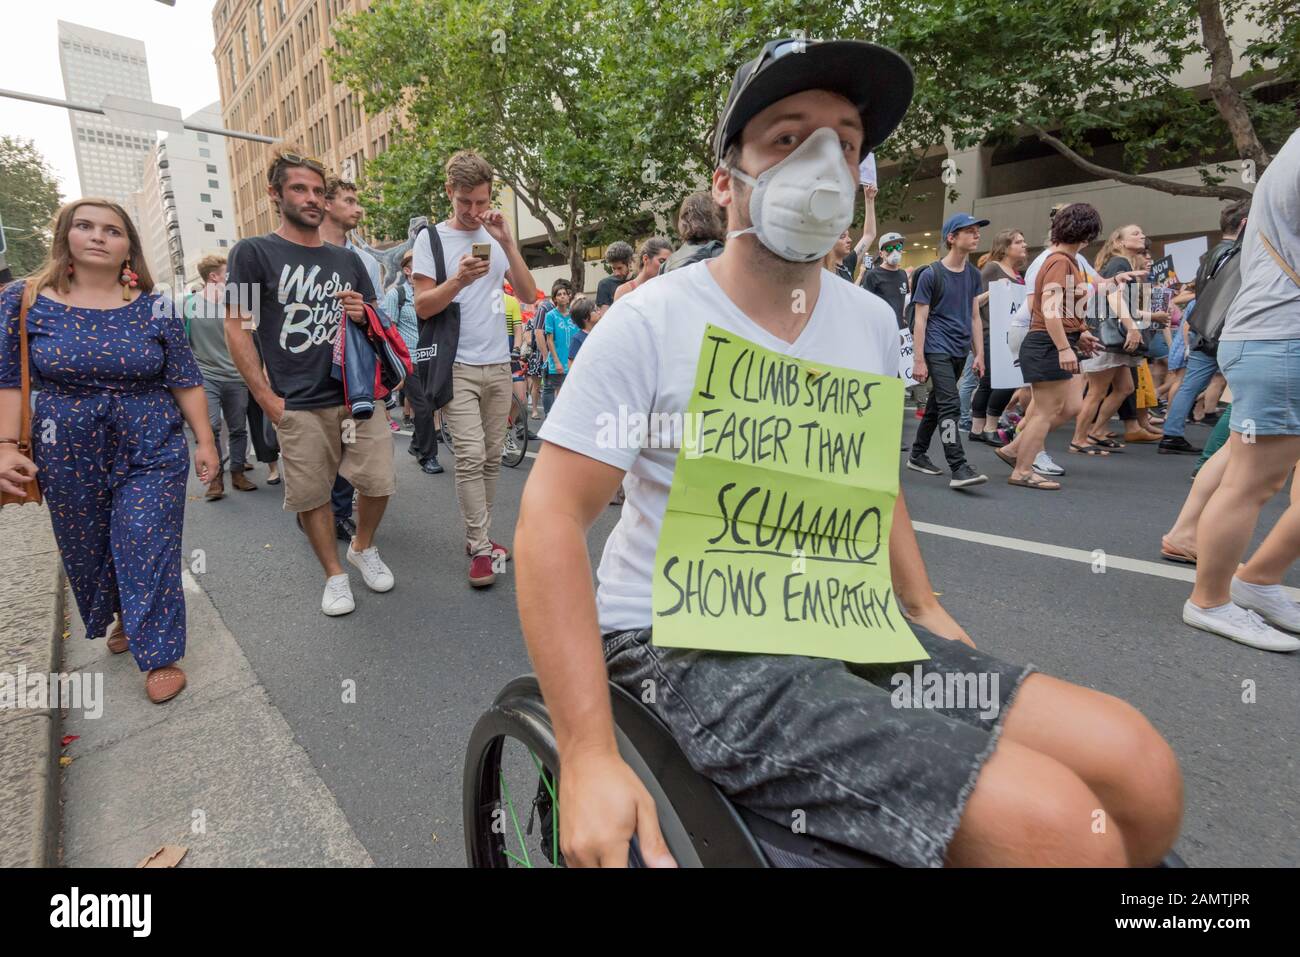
[(108, 443)]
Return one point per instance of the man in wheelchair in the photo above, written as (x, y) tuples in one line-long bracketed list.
[(1058, 775)]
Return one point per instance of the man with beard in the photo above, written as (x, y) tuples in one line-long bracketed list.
[(300, 289)]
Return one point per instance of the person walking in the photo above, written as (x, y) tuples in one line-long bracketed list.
[(480, 374), (947, 320), (1008, 256), (399, 302), (116, 377), (205, 314), (1058, 336), (653, 254), (1259, 351), (307, 288)]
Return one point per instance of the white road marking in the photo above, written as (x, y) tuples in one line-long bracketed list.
[(1182, 573)]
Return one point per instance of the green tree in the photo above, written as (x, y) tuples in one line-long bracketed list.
[(1066, 70), (28, 201)]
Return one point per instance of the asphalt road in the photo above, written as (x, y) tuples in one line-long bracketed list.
[(429, 656)]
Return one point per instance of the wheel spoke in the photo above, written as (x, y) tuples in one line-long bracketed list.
[(505, 789)]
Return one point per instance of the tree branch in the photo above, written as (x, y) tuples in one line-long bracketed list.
[(1132, 179), (1226, 98)]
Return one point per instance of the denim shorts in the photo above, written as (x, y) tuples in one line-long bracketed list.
[(1264, 375), (862, 755)]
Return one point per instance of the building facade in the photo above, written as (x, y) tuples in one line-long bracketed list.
[(110, 160), (275, 81), (186, 203)]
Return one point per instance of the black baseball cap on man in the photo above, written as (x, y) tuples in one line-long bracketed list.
[(875, 79)]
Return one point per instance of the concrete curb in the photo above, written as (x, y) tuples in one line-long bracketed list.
[(32, 592)]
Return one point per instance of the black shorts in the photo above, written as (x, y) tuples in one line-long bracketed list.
[(1040, 360)]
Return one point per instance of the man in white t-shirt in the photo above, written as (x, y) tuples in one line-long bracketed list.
[(781, 733), (481, 383)]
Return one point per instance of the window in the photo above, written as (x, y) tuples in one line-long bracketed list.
[(284, 9), (211, 168), (222, 243), (214, 184), (261, 23), (209, 228), (206, 153), (202, 137), (243, 42), (205, 197), (216, 214), (230, 63)]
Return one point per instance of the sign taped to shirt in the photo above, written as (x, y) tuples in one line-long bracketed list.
[(776, 535)]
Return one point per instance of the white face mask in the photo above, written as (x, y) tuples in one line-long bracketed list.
[(800, 206), (894, 258)]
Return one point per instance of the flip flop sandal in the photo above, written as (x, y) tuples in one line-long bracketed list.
[(1087, 449), (1110, 444), (1176, 555), (1034, 481), (163, 684), (273, 481), (117, 640), (1005, 460)]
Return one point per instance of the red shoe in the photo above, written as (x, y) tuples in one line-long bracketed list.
[(480, 571), (498, 551)]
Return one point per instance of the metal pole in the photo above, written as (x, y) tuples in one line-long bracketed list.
[(86, 108)]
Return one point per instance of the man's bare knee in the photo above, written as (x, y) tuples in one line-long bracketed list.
[(1029, 810)]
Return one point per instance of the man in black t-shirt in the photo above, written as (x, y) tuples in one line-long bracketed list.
[(619, 259), (296, 291), (886, 279)]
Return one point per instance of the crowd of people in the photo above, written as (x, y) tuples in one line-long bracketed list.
[(298, 343)]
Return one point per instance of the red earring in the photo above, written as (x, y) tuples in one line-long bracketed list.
[(130, 280)]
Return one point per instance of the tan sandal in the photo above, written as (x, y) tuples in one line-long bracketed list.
[(163, 684), (117, 640)]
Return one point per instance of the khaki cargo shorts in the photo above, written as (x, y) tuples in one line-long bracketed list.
[(318, 444)]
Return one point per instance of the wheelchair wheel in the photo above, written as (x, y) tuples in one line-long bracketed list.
[(511, 791), (516, 445)]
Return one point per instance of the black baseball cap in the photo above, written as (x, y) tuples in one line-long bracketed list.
[(875, 79)]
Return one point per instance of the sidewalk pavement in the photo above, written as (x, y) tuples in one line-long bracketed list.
[(216, 770), (31, 629)]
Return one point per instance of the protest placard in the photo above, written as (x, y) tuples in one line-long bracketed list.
[(776, 537), (1161, 269), (906, 358), (867, 170), (1186, 256), (1005, 298)]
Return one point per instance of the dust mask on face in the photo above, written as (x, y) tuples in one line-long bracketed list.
[(800, 206), (894, 258)]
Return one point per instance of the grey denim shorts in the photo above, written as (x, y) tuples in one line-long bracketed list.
[(881, 758)]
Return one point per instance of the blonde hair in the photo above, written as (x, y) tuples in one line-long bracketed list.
[(210, 264), (467, 169), (1111, 248), (55, 271)]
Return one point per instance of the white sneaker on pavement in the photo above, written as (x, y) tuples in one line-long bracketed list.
[(373, 570), (1239, 624), (1044, 465), (1270, 602), (337, 599)]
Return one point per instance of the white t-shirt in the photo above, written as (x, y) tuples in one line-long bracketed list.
[(1268, 305), (640, 359), (482, 306), (1021, 316)]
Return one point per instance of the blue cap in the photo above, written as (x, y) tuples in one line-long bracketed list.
[(960, 221)]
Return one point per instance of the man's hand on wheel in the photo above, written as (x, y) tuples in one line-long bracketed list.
[(603, 805)]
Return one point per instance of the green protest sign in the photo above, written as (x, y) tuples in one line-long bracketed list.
[(776, 537)]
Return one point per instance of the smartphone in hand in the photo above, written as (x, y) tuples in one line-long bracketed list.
[(482, 251)]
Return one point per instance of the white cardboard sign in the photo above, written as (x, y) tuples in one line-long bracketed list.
[(1005, 298)]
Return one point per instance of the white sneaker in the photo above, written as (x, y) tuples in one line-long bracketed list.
[(1239, 624), (1269, 601), (1044, 465), (337, 599), (373, 569)]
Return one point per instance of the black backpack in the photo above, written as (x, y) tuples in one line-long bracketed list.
[(1214, 295), (936, 291), (439, 335)]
